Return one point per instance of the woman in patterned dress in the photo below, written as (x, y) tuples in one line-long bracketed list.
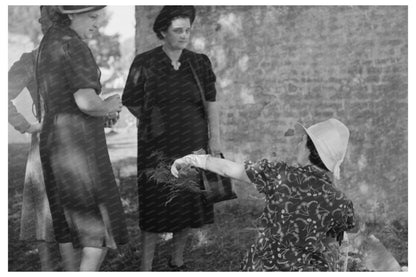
[(85, 204), (304, 212)]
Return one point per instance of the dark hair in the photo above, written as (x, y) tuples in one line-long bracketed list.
[(314, 156), (46, 13), (60, 19), (168, 14)]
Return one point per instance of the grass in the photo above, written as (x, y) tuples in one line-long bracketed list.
[(217, 247)]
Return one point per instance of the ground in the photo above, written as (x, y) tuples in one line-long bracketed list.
[(217, 247)]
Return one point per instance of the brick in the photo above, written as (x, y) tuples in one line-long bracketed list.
[(373, 78), (311, 63)]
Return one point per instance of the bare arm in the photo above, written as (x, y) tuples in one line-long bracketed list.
[(90, 103), (20, 76), (220, 166), (17, 120), (227, 168)]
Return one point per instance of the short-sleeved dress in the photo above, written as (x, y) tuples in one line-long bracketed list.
[(172, 124), (83, 195), (36, 220), (302, 210)]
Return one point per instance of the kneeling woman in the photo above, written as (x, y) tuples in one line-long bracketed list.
[(303, 209)]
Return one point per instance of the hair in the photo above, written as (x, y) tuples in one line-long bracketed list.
[(61, 19), (314, 156), (170, 13), (45, 17), (56, 17)]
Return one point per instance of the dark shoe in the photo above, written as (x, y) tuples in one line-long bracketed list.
[(175, 267)]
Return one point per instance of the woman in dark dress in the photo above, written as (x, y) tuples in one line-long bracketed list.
[(84, 199), (162, 92), (305, 215)]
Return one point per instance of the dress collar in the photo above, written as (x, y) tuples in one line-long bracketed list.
[(165, 58)]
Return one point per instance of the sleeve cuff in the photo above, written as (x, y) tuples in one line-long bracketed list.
[(248, 167)]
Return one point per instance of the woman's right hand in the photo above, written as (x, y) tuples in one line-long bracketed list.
[(114, 103), (199, 161)]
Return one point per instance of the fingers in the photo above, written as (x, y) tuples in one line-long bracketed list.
[(188, 160), (120, 104), (34, 128), (112, 116), (174, 170), (115, 101), (176, 166)]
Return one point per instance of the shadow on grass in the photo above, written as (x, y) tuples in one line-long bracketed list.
[(217, 247)]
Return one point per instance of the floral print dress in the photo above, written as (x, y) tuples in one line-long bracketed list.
[(303, 209)]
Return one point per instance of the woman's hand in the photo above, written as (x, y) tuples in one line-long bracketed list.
[(111, 119), (219, 166), (189, 160), (90, 103), (114, 104), (34, 128)]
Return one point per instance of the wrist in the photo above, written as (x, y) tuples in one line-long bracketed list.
[(199, 161), (33, 128), (27, 129), (202, 160)]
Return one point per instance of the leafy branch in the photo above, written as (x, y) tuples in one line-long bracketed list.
[(187, 181)]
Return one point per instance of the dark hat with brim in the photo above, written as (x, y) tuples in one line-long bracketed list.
[(78, 9), (168, 13)]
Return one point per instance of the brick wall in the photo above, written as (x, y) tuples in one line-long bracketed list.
[(280, 64)]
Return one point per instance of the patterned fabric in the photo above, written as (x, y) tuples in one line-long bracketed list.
[(83, 195), (303, 213), (172, 125)]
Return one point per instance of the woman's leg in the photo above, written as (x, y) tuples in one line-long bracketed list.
[(71, 257), (179, 242), (47, 255), (92, 257), (148, 249)]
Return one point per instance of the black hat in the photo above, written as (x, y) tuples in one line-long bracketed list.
[(168, 13), (78, 9)]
